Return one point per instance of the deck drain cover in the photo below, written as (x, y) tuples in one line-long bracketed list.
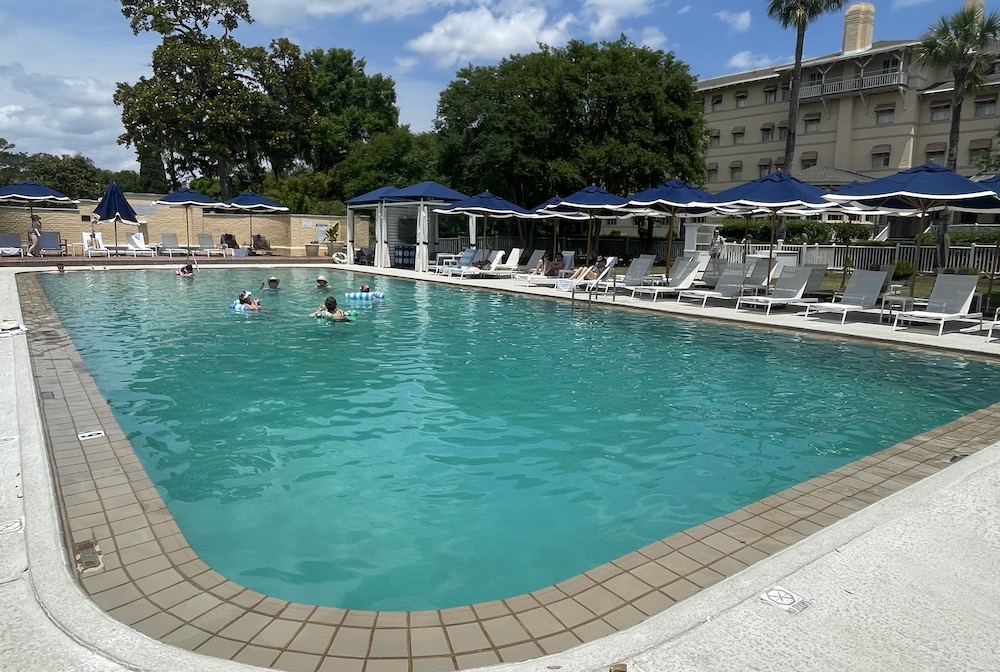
[(88, 556), (96, 434), (9, 526), (955, 458), (48, 395)]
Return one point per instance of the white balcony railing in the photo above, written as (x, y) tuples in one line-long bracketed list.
[(835, 87)]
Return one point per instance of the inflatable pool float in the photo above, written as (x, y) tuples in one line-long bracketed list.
[(349, 316), (238, 307), (365, 296)]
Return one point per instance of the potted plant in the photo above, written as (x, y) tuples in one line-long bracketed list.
[(332, 245), (312, 248)]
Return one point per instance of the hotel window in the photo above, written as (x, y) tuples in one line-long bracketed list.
[(885, 113), (713, 138), (890, 65), (934, 153), (779, 164), (986, 106), (809, 159), (940, 111), (771, 94), (810, 123), (716, 103), (978, 151), (767, 132), (763, 167), (736, 171), (713, 172), (782, 130), (741, 98), (786, 93), (815, 78), (738, 134), (880, 156)]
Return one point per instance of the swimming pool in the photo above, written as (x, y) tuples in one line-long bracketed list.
[(454, 446)]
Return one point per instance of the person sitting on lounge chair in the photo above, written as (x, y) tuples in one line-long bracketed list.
[(260, 242), (589, 272), (548, 267)]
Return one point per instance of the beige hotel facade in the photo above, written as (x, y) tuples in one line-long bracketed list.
[(865, 112)]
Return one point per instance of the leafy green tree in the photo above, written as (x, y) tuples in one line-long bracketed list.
[(349, 107), (614, 114), (958, 43), (798, 14), (200, 108), (398, 158), (13, 165), (75, 176)]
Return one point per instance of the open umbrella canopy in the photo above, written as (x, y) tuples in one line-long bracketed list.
[(544, 211), (592, 199), (186, 196), (426, 191), (772, 193), (674, 196), (30, 192), (253, 202), (921, 188), (485, 204), (114, 207)]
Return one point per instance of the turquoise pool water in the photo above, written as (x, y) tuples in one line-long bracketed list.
[(452, 446)]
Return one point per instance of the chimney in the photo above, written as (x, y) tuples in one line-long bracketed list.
[(859, 24)]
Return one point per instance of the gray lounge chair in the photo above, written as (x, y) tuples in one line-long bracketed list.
[(949, 301), (729, 286), (170, 245), (788, 289), (862, 292), (682, 276)]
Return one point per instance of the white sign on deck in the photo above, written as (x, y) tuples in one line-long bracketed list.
[(784, 599)]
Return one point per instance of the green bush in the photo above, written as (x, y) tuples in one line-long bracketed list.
[(904, 269)]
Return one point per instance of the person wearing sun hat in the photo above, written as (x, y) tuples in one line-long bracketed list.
[(245, 303), (271, 284), (321, 282)]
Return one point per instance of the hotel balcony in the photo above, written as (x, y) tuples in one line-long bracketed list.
[(839, 87)]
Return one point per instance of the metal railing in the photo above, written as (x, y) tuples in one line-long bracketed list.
[(833, 87)]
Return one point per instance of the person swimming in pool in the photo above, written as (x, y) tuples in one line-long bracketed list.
[(365, 288), (330, 311), (271, 285), (186, 271), (322, 283), (245, 303)]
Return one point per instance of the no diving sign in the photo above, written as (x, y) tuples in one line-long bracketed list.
[(784, 599)]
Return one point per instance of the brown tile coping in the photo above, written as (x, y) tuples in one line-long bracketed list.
[(152, 581)]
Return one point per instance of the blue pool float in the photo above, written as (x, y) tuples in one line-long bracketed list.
[(365, 296), (349, 316)]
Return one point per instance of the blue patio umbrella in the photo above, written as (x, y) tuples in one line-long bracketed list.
[(672, 198), (251, 202), (187, 198), (594, 201), (485, 205), (374, 196), (771, 193), (922, 188), (114, 207), (31, 193)]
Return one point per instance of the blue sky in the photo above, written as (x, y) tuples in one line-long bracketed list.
[(60, 59)]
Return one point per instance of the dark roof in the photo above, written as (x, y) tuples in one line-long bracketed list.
[(822, 176)]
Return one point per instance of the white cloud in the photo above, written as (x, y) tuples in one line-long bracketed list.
[(604, 16), (478, 35), (684, 10), (904, 4), (653, 38), (746, 60), (739, 22), (279, 11)]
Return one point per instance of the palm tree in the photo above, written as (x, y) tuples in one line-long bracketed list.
[(959, 44), (798, 13)]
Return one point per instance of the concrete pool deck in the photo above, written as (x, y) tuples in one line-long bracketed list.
[(897, 555)]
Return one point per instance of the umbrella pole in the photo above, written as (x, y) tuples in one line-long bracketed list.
[(250, 244), (993, 270), (770, 251), (670, 244), (187, 228), (916, 253)]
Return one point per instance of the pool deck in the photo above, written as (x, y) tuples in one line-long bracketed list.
[(898, 554)]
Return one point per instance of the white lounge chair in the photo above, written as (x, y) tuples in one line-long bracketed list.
[(533, 260), (508, 267), (93, 245), (788, 290), (487, 268), (862, 293), (568, 267), (207, 245), (474, 266), (729, 286), (683, 274), (584, 284), (464, 260), (137, 245), (950, 300), (170, 244), (758, 280), (634, 276)]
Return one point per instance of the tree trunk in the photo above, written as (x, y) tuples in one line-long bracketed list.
[(793, 99)]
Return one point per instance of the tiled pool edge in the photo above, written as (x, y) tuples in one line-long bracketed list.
[(246, 626)]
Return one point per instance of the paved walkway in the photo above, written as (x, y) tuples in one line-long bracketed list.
[(907, 582)]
